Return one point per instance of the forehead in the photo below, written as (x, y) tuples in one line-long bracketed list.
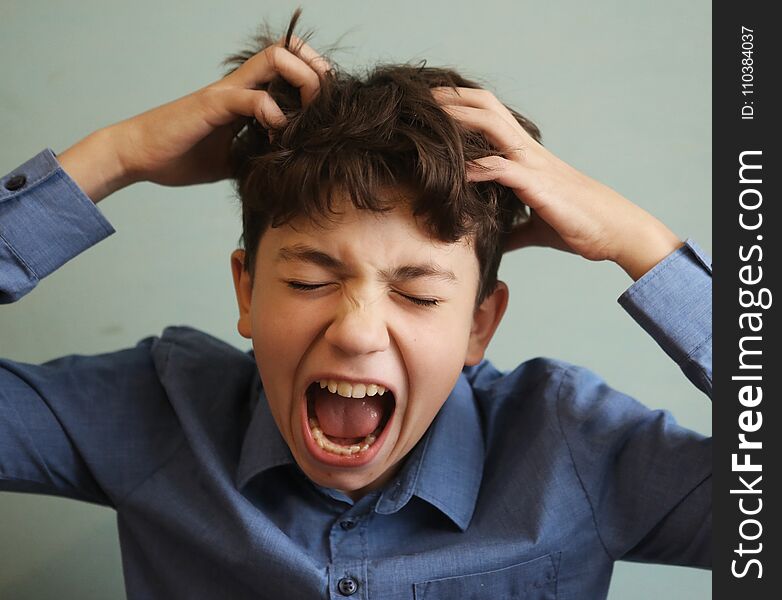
[(363, 238)]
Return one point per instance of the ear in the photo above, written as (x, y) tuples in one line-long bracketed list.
[(244, 292), (485, 321)]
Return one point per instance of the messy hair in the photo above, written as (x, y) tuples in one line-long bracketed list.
[(361, 136)]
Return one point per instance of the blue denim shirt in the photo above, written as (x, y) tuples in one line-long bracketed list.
[(528, 484)]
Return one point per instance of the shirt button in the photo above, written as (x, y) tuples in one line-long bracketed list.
[(347, 586), (347, 525), (16, 182)]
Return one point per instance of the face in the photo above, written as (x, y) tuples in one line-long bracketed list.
[(366, 300)]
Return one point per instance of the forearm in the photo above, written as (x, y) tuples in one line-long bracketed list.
[(94, 164)]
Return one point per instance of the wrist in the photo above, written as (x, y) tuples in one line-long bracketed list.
[(646, 248)]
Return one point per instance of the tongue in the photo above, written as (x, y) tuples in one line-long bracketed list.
[(347, 417)]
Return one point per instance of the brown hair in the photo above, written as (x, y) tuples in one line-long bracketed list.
[(360, 136)]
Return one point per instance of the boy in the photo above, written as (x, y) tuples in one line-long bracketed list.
[(364, 448)]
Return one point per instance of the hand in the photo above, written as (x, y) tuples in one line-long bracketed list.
[(569, 210), (187, 141)]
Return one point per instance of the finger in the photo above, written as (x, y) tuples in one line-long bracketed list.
[(273, 61), (462, 96), (255, 103), (477, 98), (509, 173), (310, 56), (504, 138), (295, 71)]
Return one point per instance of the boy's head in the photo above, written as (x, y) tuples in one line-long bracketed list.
[(369, 259)]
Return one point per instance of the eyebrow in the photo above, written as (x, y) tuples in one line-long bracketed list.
[(308, 254)]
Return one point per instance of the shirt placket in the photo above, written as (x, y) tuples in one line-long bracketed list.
[(348, 544)]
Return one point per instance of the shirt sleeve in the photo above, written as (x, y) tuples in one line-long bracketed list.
[(647, 479), (672, 302), (45, 220), (83, 427)]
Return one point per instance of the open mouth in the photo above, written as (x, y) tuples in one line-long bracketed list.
[(347, 420)]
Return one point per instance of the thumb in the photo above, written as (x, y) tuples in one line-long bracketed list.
[(521, 236), (534, 232)]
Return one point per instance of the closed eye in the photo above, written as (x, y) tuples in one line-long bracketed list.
[(420, 301), (298, 285)]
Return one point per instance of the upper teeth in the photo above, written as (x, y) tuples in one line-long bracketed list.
[(352, 390)]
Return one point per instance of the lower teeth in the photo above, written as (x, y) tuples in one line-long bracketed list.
[(326, 444)]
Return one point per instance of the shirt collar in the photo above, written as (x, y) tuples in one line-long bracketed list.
[(444, 469), (263, 446)]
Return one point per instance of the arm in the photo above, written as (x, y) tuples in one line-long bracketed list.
[(88, 426), (59, 428), (572, 212)]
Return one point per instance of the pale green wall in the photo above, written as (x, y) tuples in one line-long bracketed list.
[(621, 90)]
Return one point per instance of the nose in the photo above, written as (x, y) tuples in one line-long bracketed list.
[(358, 328)]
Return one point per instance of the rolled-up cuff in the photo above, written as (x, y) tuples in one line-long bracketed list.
[(45, 218), (672, 302)]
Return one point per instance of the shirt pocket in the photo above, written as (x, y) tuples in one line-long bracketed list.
[(531, 580)]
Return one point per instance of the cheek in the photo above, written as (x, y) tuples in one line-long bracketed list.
[(280, 338), (442, 338), (434, 357)]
